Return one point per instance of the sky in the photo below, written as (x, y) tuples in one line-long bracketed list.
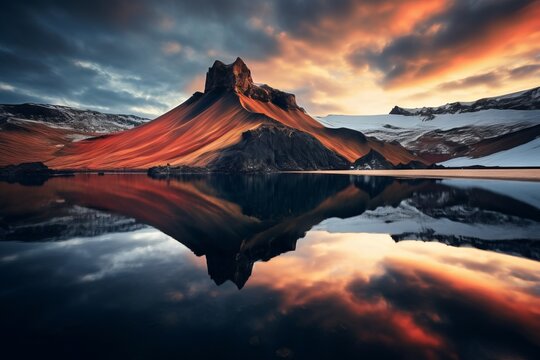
[(338, 57)]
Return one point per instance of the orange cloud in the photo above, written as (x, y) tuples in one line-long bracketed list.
[(374, 55), (171, 48)]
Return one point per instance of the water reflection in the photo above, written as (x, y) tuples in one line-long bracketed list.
[(420, 301), (235, 221), (108, 283)]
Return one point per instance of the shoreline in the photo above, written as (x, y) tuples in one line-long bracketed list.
[(519, 174), (525, 174)]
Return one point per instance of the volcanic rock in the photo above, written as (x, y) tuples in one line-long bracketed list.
[(34, 173), (277, 148), (237, 77), (372, 161), (163, 172)]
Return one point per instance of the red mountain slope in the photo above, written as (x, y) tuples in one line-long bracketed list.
[(191, 133), (23, 141), (197, 131)]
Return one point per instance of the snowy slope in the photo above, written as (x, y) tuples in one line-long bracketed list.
[(406, 219), (394, 126), (459, 220), (442, 137), (526, 155), (521, 100), (64, 117), (527, 192)]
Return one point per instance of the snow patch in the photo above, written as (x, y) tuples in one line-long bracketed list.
[(526, 155)]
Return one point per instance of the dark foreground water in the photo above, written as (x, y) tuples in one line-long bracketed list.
[(265, 267)]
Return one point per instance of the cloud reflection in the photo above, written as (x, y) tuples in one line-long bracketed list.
[(411, 295), (334, 296)]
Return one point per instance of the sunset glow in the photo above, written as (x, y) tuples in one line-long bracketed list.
[(344, 56)]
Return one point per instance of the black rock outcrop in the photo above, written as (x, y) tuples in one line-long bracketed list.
[(162, 172), (396, 110), (372, 161), (34, 173), (237, 77), (271, 148), (411, 165)]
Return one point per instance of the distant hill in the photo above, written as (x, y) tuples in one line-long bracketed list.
[(522, 100), (65, 117), (483, 132), (34, 132)]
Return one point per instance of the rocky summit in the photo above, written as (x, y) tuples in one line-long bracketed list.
[(237, 77)]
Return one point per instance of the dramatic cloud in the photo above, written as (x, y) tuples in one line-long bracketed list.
[(526, 70), (145, 57), (493, 78), (490, 79), (465, 29)]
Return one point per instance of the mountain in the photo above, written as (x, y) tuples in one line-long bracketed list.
[(242, 219), (65, 117), (372, 160), (468, 131), (34, 132), (65, 221), (522, 100), (235, 124)]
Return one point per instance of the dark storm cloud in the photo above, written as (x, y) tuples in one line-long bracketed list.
[(121, 46), (442, 37), (326, 23), (489, 79), (11, 97), (109, 98), (302, 18), (525, 71), (144, 54)]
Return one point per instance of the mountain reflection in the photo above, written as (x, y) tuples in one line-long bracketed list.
[(235, 221), (109, 283)]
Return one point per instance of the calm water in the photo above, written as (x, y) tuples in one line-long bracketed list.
[(268, 267)]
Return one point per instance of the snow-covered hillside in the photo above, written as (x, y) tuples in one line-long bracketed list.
[(445, 136), (64, 117), (406, 129), (406, 219), (522, 100), (526, 155), (414, 217)]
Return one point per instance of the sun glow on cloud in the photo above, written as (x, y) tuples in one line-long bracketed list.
[(337, 56)]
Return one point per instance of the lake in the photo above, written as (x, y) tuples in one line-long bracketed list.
[(292, 266)]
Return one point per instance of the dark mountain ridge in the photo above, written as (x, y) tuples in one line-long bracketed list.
[(523, 100), (66, 117)]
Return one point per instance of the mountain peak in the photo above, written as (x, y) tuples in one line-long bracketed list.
[(239, 62), (237, 77)]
